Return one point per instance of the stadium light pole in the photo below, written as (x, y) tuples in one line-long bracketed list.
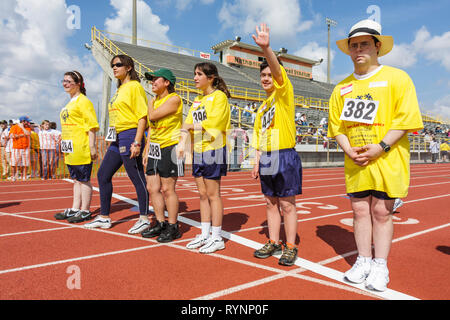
[(333, 23), (134, 37)]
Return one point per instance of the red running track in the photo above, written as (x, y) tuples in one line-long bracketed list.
[(47, 259)]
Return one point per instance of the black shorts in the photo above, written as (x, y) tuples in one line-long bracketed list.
[(377, 194), (167, 166), (81, 172)]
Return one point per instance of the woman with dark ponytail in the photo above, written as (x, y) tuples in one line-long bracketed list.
[(79, 124), (127, 123), (208, 120)]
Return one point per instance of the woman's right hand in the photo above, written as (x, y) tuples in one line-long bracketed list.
[(180, 151)]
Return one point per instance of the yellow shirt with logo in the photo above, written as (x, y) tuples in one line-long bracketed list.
[(166, 131), (444, 146), (77, 119), (215, 120), (274, 127), (127, 106), (398, 109)]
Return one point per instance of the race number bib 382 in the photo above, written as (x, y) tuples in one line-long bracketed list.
[(198, 115), (111, 134), (67, 146), (154, 151), (267, 118), (358, 110)]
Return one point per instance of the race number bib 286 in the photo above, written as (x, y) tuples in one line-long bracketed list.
[(198, 115), (358, 110), (154, 151), (111, 134), (67, 146), (267, 118)]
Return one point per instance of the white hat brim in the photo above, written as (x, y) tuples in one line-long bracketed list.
[(387, 43)]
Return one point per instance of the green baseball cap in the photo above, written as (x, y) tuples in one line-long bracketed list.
[(165, 73)]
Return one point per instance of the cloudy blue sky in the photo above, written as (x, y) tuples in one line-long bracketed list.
[(40, 40)]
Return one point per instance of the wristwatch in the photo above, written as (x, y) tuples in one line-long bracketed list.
[(136, 144), (385, 146)]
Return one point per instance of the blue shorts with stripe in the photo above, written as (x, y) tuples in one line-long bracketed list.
[(280, 173)]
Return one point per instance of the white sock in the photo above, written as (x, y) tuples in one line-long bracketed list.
[(216, 232), (380, 261), (366, 259), (205, 229)]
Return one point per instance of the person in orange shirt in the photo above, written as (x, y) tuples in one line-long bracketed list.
[(20, 155)]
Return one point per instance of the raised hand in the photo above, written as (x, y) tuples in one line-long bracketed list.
[(262, 37)]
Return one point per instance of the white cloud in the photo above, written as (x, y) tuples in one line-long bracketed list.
[(34, 57), (440, 108), (283, 17), (313, 51), (432, 48), (402, 56), (149, 25)]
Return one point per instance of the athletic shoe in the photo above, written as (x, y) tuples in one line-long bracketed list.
[(68, 213), (212, 245), (170, 233), (80, 216), (378, 277), (269, 249), (197, 242), (99, 222), (155, 230), (359, 271), (139, 226), (397, 204), (288, 257)]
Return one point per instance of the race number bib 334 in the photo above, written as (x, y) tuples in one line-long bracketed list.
[(358, 110), (154, 151), (67, 146), (111, 134)]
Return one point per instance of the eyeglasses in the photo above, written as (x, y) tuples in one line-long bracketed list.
[(363, 45), (118, 65), (67, 81)]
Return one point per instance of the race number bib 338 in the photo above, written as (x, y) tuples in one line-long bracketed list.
[(267, 118), (154, 151), (67, 146), (198, 115), (111, 134), (358, 110)]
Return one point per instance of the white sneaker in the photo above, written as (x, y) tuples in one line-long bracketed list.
[(397, 204), (378, 277), (197, 242), (212, 245), (359, 271), (139, 226), (98, 222)]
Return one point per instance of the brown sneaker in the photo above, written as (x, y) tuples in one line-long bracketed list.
[(288, 257), (269, 249)]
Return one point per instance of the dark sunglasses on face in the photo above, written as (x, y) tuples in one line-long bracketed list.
[(118, 65)]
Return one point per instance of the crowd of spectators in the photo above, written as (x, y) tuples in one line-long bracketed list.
[(29, 150)]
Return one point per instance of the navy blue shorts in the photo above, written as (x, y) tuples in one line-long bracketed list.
[(81, 172), (210, 164), (377, 194), (280, 173)]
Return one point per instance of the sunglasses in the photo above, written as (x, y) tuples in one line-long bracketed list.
[(118, 65)]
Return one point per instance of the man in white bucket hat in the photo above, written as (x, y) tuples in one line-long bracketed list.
[(370, 113)]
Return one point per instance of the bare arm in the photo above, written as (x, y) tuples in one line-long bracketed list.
[(262, 39)]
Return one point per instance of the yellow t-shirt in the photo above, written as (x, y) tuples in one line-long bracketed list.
[(127, 106), (166, 131), (444, 146), (213, 112), (274, 127), (387, 97), (77, 119)]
